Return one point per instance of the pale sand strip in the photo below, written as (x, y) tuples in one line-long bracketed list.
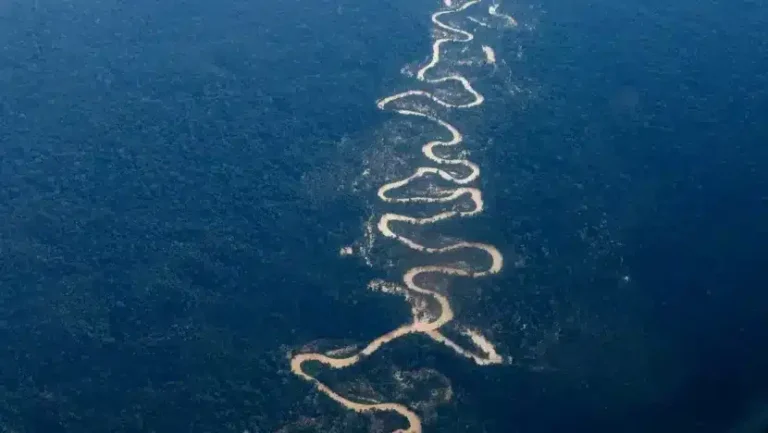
[(420, 326)]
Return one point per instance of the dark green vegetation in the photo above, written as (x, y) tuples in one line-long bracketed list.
[(158, 245), (166, 239)]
